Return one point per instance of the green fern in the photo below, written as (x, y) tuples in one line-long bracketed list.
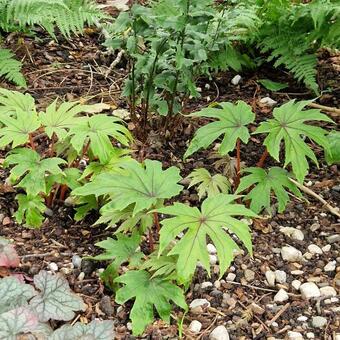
[(10, 68)]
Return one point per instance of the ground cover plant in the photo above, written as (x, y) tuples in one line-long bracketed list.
[(172, 212)]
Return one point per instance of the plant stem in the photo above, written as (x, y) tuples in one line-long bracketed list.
[(217, 28), (63, 190), (156, 221), (31, 141), (151, 243), (238, 162), (264, 156), (52, 145), (85, 149)]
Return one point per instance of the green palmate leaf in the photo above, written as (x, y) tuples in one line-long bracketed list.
[(56, 300), (232, 124), (57, 120), (32, 168), (140, 185), (208, 185), (16, 129), (97, 130), (11, 101), (214, 220), (263, 184), (123, 249), (272, 85), (30, 210), (148, 293), (333, 154), (85, 205), (289, 126)]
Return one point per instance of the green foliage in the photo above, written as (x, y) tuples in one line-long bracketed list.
[(10, 68), (288, 126), (208, 185), (13, 101), (332, 154), (272, 85), (232, 124), (263, 183), (148, 293), (30, 210), (215, 218), (141, 185)]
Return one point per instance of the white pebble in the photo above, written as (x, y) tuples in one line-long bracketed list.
[(328, 291), (281, 296), (231, 277), (296, 272), (270, 277), (219, 333), (302, 318), (53, 266), (309, 290), (268, 101), (291, 254), (213, 259), (296, 284), (207, 284), (81, 276), (326, 248), (310, 335), (195, 326), (330, 266), (211, 249), (76, 261), (319, 321), (235, 81), (280, 276), (294, 335), (217, 284), (199, 303), (314, 249)]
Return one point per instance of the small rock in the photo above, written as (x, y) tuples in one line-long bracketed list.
[(333, 238), (81, 276), (213, 259), (280, 276), (105, 305), (268, 101), (281, 296), (314, 249), (296, 284), (307, 255), (6, 221), (326, 248), (199, 303), (319, 321), (328, 291), (76, 260), (219, 333), (296, 272), (211, 249), (315, 227), (249, 275), (48, 212), (291, 254), (235, 81), (294, 335), (231, 277), (195, 326), (217, 284), (257, 309), (309, 290), (293, 233), (70, 201), (330, 266), (206, 285), (53, 266), (88, 266), (302, 318), (270, 277), (310, 335), (65, 270)]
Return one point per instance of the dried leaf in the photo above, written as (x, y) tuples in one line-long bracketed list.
[(8, 255)]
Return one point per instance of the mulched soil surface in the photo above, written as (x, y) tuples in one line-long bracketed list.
[(76, 70)]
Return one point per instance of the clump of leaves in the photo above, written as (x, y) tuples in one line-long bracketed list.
[(208, 185)]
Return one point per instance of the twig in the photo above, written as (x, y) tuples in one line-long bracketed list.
[(115, 63), (23, 257), (315, 195), (75, 320), (279, 313), (332, 110), (207, 329)]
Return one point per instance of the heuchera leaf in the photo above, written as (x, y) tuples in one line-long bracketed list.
[(141, 185), (17, 321), (208, 185), (8, 255), (32, 168), (288, 126), (232, 124), (14, 294), (148, 293), (95, 330), (124, 249), (56, 300), (263, 184), (215, 218)]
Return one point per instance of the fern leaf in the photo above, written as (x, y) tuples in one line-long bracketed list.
[(10, 68)]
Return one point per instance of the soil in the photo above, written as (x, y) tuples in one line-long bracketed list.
[(75, 70)]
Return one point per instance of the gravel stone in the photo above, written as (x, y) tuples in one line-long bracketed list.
[(294, 335), (280, 276), (219, 333), (310, 335), (249, 275), (296, 284), (213, 259), (319, 321), (106, 305), (199, 303), (270, 277), (309, 290), (326, 248), (195, 326), (76, 260), (207, 284), (293, 233), (211, 249), (231, 277), (330, 266), (333, 238), (291, 254), (281, 296), (314, 249), (328, 291), (235, 81), (268, 101), (53, 266)]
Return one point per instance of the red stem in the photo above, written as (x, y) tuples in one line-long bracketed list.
[(156, 221), (31, 141), (63, 190), (264, 156)]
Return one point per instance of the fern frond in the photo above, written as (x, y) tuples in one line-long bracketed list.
[(10, 68)]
